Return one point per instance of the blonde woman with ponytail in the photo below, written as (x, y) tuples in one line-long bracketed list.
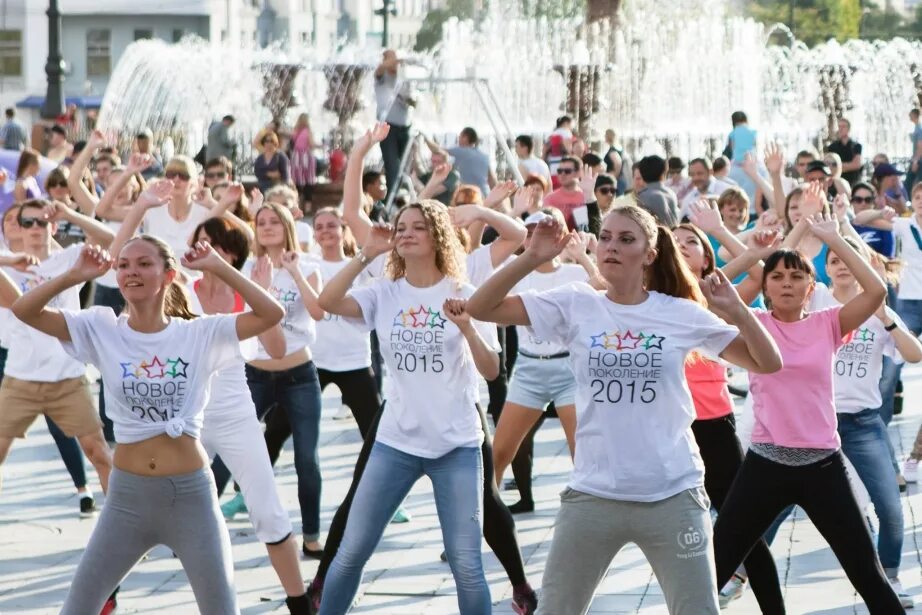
[(157, 363), (637, 473)]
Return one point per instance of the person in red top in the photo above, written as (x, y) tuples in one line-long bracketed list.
[(715, 425), (569, 196)]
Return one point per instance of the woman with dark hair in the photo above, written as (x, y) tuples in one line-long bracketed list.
[(795, 456), (26, 172), (271, 167), (637, 474)]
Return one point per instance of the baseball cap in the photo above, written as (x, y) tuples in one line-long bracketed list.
[(886, 169), (818, 165), (536, 217)]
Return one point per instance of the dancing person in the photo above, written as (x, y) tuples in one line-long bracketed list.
[(430, 346), (795, 455), (637, 473), (175, 222)]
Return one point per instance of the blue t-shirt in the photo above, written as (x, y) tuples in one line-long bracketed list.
[(819, 263), (880, 240), (719, 263), (742, 142)]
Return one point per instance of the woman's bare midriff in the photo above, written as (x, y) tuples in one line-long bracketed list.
[(299, 357), (161, 456)]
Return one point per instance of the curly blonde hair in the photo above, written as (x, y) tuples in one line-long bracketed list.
[(449, 254)]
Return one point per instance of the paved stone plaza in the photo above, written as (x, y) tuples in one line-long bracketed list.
[(41, 539)]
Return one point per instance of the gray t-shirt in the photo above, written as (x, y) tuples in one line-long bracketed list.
[(661, 202), (13, 135), (386, 91), (473, 166)]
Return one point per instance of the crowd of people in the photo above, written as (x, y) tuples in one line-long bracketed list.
[(615, 296)]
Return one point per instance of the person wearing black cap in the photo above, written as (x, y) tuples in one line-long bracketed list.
[(819, 171), (848, 150), (889, 187)]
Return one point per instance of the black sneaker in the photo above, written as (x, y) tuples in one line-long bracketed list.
[(87, 506), (510, 485), (522, 507)]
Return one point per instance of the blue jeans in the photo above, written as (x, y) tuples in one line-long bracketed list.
[(864, 442), (457, 480), (295, 391)]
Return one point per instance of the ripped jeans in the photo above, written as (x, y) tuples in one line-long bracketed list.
[(457, 482)]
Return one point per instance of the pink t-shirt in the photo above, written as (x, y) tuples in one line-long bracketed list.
[(707, 382), (795, 406), (566, 201)]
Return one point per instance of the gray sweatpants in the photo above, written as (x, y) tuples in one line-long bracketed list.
[(674, 535), (141, 512)]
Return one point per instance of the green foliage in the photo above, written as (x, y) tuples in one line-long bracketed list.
[(816, 21)]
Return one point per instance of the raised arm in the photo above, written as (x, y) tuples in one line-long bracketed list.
[(706, 216), (265, 311), (485, 358), (32, 308), (333, 298), (9, 291), (86, 201), (309, 287), (761, 245), (751, 168), (108, 208), (96, 232), (577, 250), (353, 214), (436, 184), (774, 162), (511, 232), (155, 195)]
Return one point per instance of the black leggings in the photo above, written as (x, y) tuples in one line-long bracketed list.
[(764, 488), (723, 456), (498, 525), (359, 393)]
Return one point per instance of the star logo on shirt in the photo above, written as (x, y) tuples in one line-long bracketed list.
[(128, 370), (611, 341), (420, 316), (436, 320), (401, 319), (154, 369), (653, 341), (864, 335), (597, 340), (176, 368), (628, 341)]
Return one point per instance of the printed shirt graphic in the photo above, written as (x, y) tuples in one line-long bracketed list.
[(154, 382), (535, 281), (297, 325), (34, 355), (340, 345), (634, 410), (434, 384), (859, 361)]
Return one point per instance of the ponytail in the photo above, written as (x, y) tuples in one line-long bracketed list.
[(176, 302), (669, 274)]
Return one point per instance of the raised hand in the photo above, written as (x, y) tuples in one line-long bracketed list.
[(290, 261), (522, 199), (455, 310), (203, 196), (138, 162), (824, 227), (380, 240), (765, 241), (840, 207), (156, 194), (440, 172), (888, 213), (587, 181), (463, 216), (373, 135), (232, 194), (20, 261), (54, 211), (262, 271), (547, 240), (705, 216), (576, 246), (256, 201), (721, 296), (499, 192), (774, 158), (96, 140), (92, 263), (769, 220), (202, 257), (814, 198), (750, 166)]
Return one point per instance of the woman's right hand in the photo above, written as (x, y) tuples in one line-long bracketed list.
[(92, 263), (373, 135), (262, 272), (139, 163), (706, 216), (97, 139), (202, 257), (156, 194), (20, 261), (547, 241), (380, 240)]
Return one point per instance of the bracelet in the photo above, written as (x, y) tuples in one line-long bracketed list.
[(891, 326), (362, 257)]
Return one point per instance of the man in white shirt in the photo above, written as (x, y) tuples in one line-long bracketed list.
[(703, 184), (529, 164), (40, 377)]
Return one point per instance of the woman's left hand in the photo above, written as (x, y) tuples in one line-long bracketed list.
[(202, 257), (722, 296), (456, 311), (290, 262)]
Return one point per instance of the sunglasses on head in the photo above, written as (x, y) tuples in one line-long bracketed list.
[(30, 222), (565, 171), (215, 175), (175, 174), (607, 190), (862, 199)]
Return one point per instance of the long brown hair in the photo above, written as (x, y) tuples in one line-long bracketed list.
[(176, 299), (710, 257), (350, 248), (449, 254), (27, 158), (291, 236)]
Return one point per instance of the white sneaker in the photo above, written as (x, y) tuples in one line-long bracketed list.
[(911, 470), (343, 414), (733, 590), (905, 599)]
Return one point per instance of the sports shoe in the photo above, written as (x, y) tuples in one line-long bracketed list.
[(733, 590), (236, 505), (401, 516), (522, 507), (901, 483), (87, 506), (911, 470), (343, 414), (109, 607), (510, 485), (524, 603), (905, 599)]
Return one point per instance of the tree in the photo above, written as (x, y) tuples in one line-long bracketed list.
[(815, 21)]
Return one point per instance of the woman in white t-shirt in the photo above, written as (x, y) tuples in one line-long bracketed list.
[(431, 426), (157, 361), (637, 473)]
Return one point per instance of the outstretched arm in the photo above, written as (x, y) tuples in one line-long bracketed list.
[(355, 217)]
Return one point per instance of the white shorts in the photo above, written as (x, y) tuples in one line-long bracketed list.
[(538, 382)]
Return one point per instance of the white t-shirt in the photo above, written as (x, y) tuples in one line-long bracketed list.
[(304, 231), (298, 325), (859, 361), (537, 282), (434, 384), (479, 265), (154, 382), (911, 275), (34, 355), (341, 346), (536, 166), (158, 222), (634, 410)]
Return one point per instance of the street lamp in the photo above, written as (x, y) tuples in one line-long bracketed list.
[(386, 12), (54, 67)]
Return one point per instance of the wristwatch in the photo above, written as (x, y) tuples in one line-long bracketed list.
[(891, 326)]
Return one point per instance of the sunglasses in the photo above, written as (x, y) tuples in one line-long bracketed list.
[(565, 171), (57, 185), (175, 174), (862, 199), (30, 222), (607, 191), (216, 175)]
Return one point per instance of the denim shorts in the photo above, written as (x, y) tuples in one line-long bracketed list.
[(538, 382)]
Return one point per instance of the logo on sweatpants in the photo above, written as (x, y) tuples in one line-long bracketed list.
[(691, 543)]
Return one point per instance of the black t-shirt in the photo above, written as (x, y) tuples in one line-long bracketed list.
[(847, 152)]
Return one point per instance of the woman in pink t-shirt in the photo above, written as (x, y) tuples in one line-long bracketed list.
[(795, 455), (715, 425)]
